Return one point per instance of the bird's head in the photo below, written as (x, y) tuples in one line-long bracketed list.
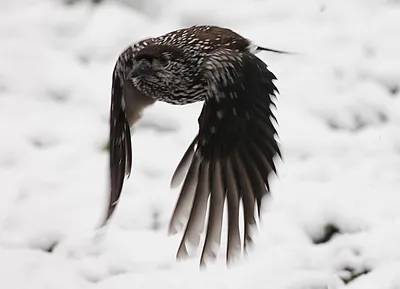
[(161, 72)]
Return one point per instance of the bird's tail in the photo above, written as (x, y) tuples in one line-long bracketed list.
[(259, 49)]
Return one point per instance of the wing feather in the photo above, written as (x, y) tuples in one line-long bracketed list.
[(235, 147), (127, 105)]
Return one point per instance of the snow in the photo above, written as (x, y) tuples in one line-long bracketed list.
[(339, 127)]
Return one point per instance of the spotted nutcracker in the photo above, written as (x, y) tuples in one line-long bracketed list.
[(233, 153)]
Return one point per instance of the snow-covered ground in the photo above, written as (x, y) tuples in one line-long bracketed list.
[(334, 219)]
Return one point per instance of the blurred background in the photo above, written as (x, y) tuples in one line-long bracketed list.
[(334, 217)]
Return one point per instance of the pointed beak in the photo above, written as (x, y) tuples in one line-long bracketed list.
[(141, 67)]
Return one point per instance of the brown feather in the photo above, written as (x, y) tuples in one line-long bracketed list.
[(248, 199), (213, 235), (183, 166), (183, 205), (195, 225), (234, 243)]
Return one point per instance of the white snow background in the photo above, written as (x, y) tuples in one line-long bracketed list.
[(334, 217)]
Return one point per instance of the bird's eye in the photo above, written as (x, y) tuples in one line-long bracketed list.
[(164, 61)]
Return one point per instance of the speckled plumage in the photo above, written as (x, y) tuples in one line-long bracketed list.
[(231, 157)]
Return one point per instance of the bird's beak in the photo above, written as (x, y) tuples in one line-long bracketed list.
[(140, 68)]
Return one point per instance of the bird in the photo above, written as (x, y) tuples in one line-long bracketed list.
[(231, 158)]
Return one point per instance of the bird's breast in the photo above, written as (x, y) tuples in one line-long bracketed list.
[(182, 99), (185, 95)]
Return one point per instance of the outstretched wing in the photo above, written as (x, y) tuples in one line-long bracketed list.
[(127, 104), (232, 155), (120, 150)]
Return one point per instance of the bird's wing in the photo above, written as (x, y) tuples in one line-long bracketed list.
[(232, 155), (120, 151), (127, 104)]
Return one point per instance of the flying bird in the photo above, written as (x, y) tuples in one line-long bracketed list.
[(232, 155)]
